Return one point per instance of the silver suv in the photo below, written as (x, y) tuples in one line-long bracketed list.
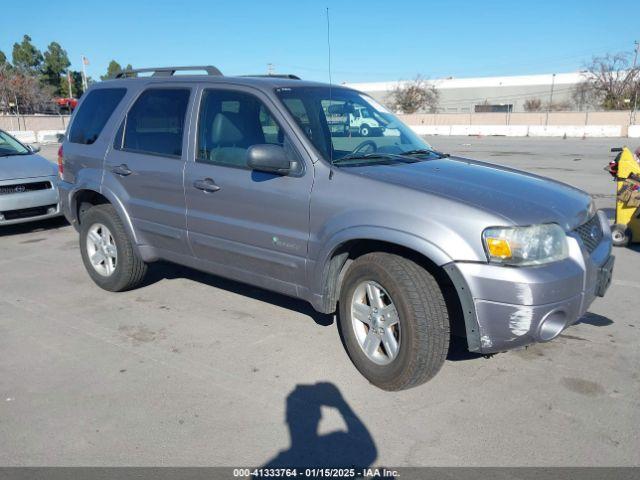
[(245, 178)]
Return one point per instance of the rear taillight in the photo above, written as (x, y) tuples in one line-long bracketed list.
[(60, 161)]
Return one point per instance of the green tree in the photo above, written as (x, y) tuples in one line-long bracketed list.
[(26, 56), (129, 67), (3, 58), (56, 63), (76, 85), (113, 68)]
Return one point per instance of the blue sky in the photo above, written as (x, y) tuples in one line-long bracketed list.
[(371, 40)]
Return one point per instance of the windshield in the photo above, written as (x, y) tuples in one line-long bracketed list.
[(10, 146), (349, 128)]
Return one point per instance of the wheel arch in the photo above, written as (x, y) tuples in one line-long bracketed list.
[(102, 196), (338, 258)]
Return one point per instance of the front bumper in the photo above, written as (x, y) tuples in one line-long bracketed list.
[(29, 206), (510, 307)]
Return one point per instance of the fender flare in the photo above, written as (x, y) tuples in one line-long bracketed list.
[(320, 271), (113, 200)]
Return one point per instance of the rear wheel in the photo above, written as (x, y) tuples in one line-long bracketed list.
[(365, 131), (620, 235), (107, 252), (393, 321)]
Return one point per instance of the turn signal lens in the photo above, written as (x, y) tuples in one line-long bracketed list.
[(498, 247)]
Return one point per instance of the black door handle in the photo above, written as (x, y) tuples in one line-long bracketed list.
[(122, 170), (206, 185)]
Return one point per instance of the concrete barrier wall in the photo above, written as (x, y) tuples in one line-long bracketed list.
[(523, 130), (571, 124), (25, 136), (50, 136), (34, 122), (527, 118)]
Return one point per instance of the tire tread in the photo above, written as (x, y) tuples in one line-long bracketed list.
[(132, 268)]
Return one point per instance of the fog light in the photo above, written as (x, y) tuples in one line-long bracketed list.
[(51, 210)]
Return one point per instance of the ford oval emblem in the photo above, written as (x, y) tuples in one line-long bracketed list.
[(594, 232), (20, 189)]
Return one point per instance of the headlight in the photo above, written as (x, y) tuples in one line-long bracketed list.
[(522, 246)]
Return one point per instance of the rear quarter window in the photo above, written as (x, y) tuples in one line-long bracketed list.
[(94, 114), (154, 125)]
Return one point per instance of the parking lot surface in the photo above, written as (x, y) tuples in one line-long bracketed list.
[(192, 369)]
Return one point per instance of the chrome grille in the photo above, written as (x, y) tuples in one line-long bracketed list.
[(590, 233), (24, 187)]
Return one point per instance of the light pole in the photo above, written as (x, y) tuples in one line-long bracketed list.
[(553, 81), (636, 83)]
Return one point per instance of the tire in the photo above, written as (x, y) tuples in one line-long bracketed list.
[(423, 322), (127, 270), (365, 131), (620, 235)]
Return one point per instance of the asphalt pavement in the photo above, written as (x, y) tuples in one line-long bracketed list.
[(192, 369)]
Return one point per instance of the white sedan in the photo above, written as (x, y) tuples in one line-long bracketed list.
[(28, 183)]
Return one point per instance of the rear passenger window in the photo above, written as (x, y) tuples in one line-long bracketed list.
[(94, 113), (229, 123), (155, 122)]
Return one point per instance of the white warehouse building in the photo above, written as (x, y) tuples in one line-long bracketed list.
[(490, 94)]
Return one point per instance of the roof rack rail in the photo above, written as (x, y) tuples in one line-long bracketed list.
[(290, 76), (169, 71)]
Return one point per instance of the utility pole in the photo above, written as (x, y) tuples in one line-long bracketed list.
[(553, 81), (270, 69), (636, 83), (85, 62), (69, 82)]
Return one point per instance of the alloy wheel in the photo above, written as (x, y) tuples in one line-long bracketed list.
[(375, 322), (102, 250)]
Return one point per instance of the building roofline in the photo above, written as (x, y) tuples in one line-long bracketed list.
[(478, 82)]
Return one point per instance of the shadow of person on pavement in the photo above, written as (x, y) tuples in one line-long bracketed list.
[(339, 449)]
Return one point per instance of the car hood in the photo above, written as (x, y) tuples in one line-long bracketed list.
[(25, 166), (519, 197)]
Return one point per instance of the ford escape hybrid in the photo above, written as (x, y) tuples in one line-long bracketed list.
[(253, 178)]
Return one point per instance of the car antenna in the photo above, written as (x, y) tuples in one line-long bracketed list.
[(330, 85)]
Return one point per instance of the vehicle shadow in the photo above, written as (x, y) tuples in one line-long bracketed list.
[(30, 227), (163, 270), (595, 320), (458, 350), (354, 448)]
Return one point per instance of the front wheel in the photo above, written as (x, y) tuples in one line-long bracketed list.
[(365, 131), (620, 235), (107, 251), (393, 321)]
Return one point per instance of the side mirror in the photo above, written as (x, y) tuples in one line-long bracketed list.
[(33, 148), (269, 158)]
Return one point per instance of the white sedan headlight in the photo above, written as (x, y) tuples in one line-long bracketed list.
[(523, 246)]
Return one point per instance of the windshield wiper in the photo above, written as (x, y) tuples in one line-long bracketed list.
[(13, 154), (368, 156), (425, 151)]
